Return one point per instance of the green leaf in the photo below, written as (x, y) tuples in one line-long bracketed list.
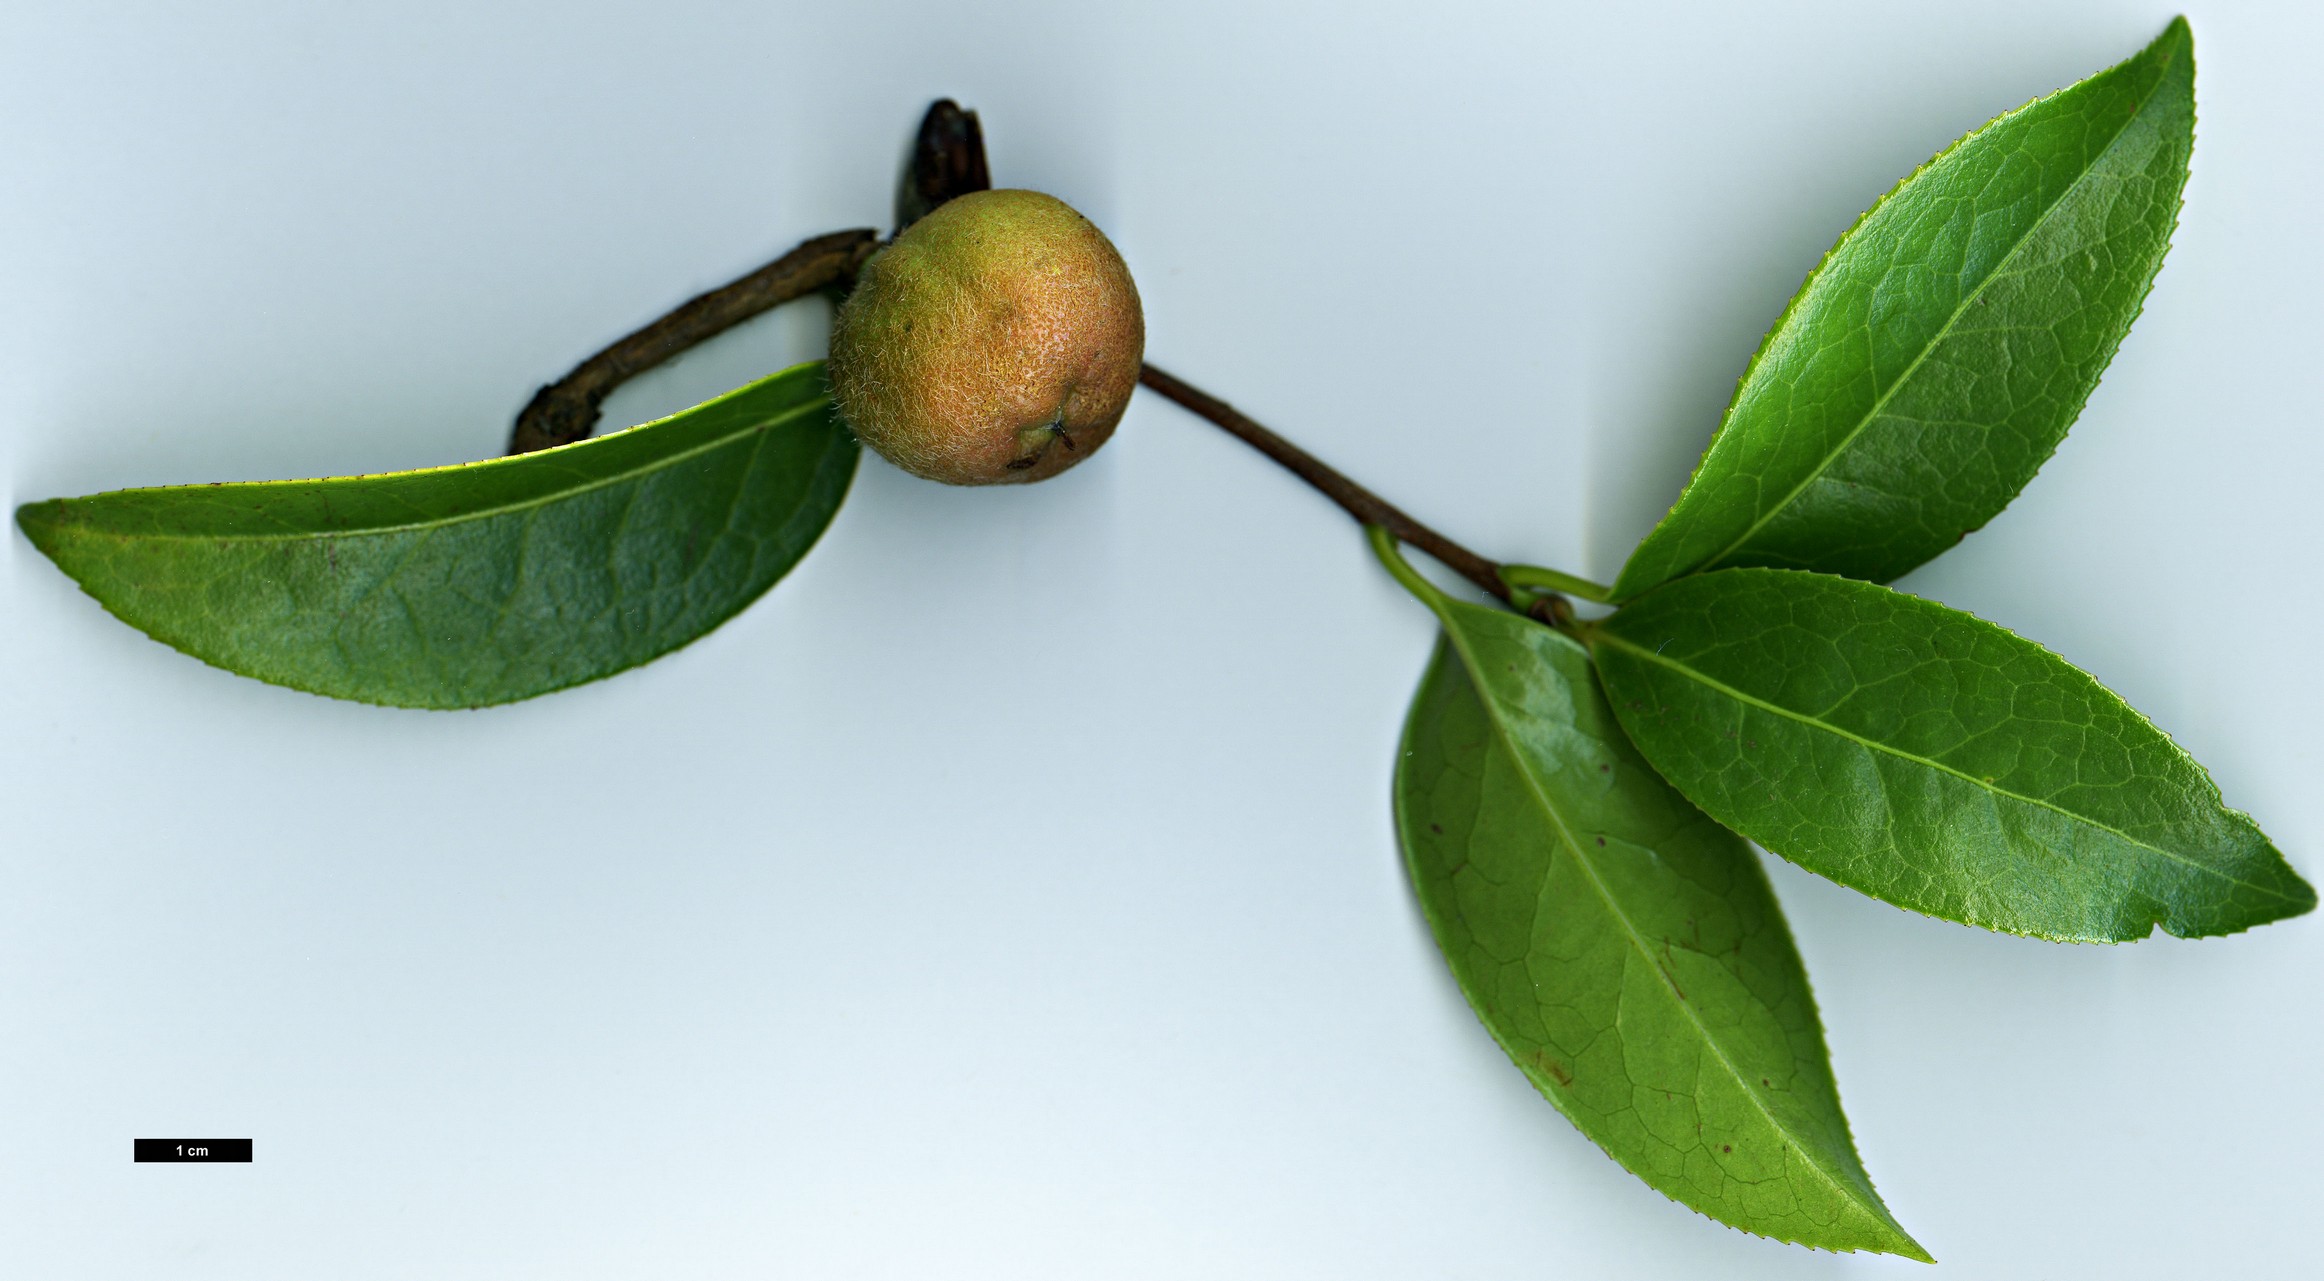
[(485, 583), (1931, 759), (1625, 950), (1934, 360)]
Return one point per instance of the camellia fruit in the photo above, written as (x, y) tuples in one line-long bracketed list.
[(995, 341)]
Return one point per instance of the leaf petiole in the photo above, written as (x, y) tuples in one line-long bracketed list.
[(1555, 580), (1384, 546), (1548, 608)]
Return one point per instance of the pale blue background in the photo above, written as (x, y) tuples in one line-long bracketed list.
[(1011, 893)]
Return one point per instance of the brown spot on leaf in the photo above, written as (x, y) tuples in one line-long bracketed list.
[(1556, 1070)]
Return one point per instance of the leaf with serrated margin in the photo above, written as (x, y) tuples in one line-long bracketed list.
[(1935, 359), (1932, 759), (1624, 949), (477, 584)]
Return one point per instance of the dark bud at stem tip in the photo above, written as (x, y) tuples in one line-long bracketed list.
[(947, 161)]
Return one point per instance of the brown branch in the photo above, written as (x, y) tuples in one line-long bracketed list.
[(566, 410), (947, 160), (1367, 507)]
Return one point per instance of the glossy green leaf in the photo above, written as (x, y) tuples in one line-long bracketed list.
[(485, 583), (1624, 949), (1935, 359), (1931, 759)]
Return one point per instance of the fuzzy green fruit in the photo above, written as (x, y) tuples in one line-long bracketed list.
[(996, 341)]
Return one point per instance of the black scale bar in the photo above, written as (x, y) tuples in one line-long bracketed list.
[(210, 1150)]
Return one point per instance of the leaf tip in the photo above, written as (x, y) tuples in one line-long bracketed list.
[(1886, 1235), (39, 522), (1882, 1234), (2176, 41), (1907, 1248), (2302, 898)]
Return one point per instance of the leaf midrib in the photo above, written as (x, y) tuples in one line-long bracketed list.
[(1945, 331), (1877, 746), (1637, 941), (717, 442)]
